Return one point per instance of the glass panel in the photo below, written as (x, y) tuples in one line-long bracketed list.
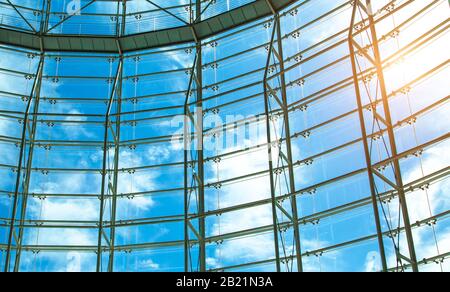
[(92, 145)]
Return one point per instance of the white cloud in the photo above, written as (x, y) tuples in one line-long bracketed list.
[(444, 244), (70, 210), (83, 210), (261, 246), (157, 154), (148, 264), (75, 130), (64, 262), (248, 249), (140, 181)]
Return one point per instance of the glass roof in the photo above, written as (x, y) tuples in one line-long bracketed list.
[(87, 17)]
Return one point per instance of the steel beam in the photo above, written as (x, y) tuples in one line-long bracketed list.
[(435, 177), (276, 51)]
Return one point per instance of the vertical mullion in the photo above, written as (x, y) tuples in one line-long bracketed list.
[(45, 17), (28, 170), (392, 142), (270, 157), (197, 121), (287, 131), (200, 163), (387, 121), (115, 174), (373, 192), (120, 31), (187, 188), (36, 85), (104, 168)]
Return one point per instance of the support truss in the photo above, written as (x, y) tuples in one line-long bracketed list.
[(109, 173), (374, 86), (194, 185), (283, 171), (120, 28)]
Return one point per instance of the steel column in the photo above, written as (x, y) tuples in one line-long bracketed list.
[(287, 132), (34, 91), (272, 182), (200, 158), (106, 143), (120, 30), (374, 194), (45, 18), (28, 173), (387, 121), (276, 40), (45, 14), (196, 119)]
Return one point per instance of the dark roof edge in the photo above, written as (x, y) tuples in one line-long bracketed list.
[(109, 44)]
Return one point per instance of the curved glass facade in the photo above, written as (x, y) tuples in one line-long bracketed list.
[(314, 139)]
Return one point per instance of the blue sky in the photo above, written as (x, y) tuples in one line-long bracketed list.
[(142, 187)]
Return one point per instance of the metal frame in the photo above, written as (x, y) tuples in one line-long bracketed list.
[(31, 130), (194, 217), (120, 26), (379, 119), (108, 186), (194, 166), (111, 186), (12, 235), (277, 174)]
